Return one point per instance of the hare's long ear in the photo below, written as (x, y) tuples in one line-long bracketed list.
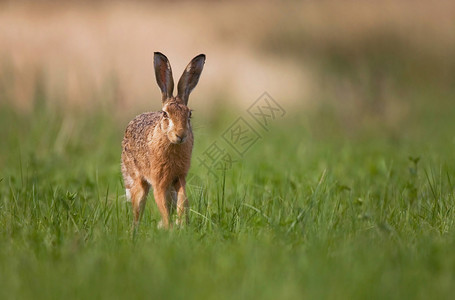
[(190, 77), (163, 73)]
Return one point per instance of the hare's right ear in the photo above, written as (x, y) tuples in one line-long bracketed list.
[(190, 77), (163, 73)]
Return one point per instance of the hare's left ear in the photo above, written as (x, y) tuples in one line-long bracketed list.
[(190, 77)]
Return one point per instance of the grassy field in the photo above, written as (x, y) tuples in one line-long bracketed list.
[(349, 195), (314, 209)]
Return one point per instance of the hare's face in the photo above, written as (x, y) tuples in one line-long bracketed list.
[(175, 121)]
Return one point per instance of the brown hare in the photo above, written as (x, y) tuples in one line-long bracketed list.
[(157, 146)]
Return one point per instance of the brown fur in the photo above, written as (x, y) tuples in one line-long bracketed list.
[(157, 146)]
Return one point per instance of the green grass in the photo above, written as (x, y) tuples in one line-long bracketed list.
[(313, 210)]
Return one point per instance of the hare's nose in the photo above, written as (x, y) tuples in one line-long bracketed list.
[(181, 138)]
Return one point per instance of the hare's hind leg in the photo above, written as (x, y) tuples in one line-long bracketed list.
[(171, 200), (138, 193), (182, 202)]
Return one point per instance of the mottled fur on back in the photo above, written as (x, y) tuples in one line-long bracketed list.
[(157, 146), (135, 141)]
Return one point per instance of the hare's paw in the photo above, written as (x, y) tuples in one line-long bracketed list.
[(160, 225)]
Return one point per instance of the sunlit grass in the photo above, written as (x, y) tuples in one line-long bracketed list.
[(311, 210)]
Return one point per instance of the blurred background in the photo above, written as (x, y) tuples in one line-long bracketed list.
[(367, 59)]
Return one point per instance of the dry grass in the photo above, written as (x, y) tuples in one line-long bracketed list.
[(106, 51), (81, 52)]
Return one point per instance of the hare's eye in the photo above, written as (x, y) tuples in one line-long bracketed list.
[(165, 114)]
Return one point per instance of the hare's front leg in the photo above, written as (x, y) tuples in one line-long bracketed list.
[(160, 198), (138, 193), (182, 202)]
